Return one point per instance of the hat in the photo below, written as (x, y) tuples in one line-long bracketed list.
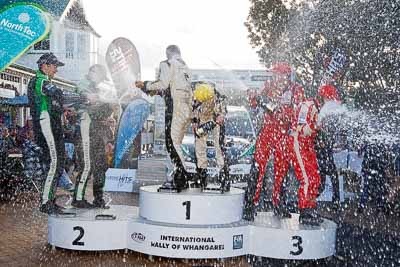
[(328, 91), (50, 59)]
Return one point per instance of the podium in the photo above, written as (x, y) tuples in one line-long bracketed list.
[(191, 224)]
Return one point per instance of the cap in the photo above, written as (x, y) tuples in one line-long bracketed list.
[(329, 91), (49, 58)]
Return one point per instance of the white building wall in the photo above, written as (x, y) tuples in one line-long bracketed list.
[(75, 67)]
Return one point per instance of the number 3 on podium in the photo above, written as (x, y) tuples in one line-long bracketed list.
[(297, 242)]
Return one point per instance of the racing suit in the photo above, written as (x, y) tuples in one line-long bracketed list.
[(303, 156), (46, 111), (174, 79), (274, 137), (204, 113), (95, 133)]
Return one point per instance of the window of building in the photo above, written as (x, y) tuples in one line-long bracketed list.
[(9, 77), (82, 46), (42, 45), (69, 45)]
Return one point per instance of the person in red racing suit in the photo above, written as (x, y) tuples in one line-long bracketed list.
[(304, 160), (282, 96)]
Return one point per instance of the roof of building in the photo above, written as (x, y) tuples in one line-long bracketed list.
[(70, 12)]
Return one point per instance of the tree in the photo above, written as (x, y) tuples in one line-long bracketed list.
[(305, 32)]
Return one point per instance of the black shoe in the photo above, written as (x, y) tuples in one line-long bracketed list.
[(225, 180), (179, 181), (168, 185), (310, 217), (82, 204), (202, 177), (282, 212), (195, 184), (51, 208), (181, 187), (100, 204), (225, 187)]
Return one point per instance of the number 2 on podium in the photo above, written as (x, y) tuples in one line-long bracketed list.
[(77, 241)]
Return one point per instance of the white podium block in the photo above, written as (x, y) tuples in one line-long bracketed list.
[(84, 232), (191, 206), (193, 225), (287, 239), (190, 242)]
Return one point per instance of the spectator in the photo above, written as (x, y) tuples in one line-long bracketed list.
[(374, 172), (328, 99), (8, 140), (393, 197), (31, 152)]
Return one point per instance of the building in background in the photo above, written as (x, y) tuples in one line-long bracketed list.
[(14, 82), (232, 79), (71, 38), (233, 83)]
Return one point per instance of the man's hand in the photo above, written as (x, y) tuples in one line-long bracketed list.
[(139, 84), (219, 120)]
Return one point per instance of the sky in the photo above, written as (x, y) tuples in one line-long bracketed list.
[(210, 33)]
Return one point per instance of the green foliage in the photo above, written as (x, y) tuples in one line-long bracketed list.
[(306, 33)]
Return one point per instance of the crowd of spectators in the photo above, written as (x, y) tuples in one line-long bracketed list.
[(20, 158)]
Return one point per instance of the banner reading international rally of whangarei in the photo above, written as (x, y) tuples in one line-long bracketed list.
[(21, 26)]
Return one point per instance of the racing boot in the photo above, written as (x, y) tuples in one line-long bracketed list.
[(203, 178), (282, 212), (310, 217), (224, 178), (50, 207), (180, 179), (168, 185), (100, 203), (250, 209), (196, 179), (82, 204)]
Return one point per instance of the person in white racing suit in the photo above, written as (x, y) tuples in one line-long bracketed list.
[(174, 83)]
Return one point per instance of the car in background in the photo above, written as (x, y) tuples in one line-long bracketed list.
[(240, 140)]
